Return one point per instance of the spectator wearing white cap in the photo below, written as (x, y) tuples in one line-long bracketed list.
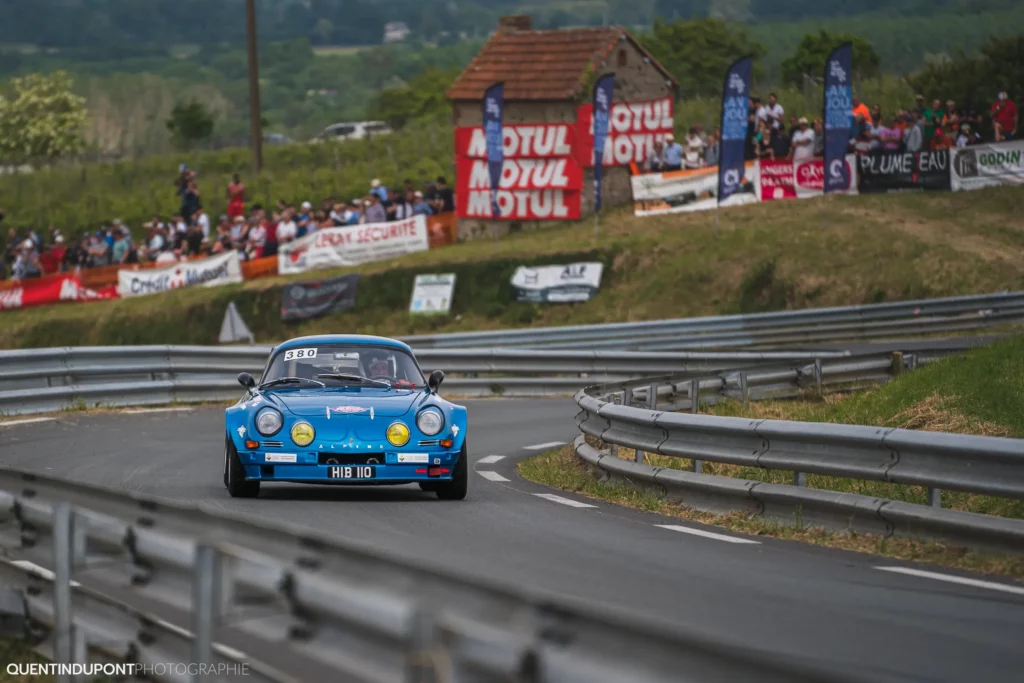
[(673, 154), (286, 228), (803, 142), (303, 220), (352, 212), (379, 190), (420, 205)]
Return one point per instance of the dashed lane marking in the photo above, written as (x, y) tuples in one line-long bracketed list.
[(707, 534), (543, 446), (564, 501), (963, 581), (489, 459), (28, 421), (143, 411), (491, 476)]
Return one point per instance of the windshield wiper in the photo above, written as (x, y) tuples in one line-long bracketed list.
[(289, 380), (355, 378)]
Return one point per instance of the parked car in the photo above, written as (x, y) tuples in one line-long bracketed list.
[(277, 139), (345, 409), (356, 130)]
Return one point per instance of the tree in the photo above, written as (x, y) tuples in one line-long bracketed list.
[(43, 120), (324, 29), (814, 49), (421, 97), (190, 124), (698, 52)]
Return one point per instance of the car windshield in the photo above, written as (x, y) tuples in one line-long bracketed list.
[(343, 365)]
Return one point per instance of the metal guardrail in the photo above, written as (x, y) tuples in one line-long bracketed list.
[(272, 598), (936, 461), (810, 326), (45, 380)]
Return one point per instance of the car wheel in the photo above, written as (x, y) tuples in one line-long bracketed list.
[(234, 475), (456, 488)]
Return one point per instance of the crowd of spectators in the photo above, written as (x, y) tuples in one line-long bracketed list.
[(250, 229), (772, 137)]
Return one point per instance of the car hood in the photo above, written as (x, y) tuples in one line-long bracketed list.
[(341, 402)]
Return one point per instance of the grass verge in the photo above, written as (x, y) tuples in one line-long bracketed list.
[(778, 255), (14, 651), (561, 468)]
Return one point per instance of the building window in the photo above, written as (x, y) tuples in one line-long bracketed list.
[(622, 58)]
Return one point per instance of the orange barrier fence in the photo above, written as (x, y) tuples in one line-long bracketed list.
[(442, 230)]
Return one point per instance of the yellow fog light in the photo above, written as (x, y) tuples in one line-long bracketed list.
[(398, 434), (303, 434)]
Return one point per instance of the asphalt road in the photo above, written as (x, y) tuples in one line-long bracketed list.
[(835, 607)]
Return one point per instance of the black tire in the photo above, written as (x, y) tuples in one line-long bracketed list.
[(234, 475), (457, 487), (428, 486)]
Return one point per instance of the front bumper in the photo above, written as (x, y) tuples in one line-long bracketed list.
[(308, 467)]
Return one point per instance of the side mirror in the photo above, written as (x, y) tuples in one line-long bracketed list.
[(246, 380), (434, 383)]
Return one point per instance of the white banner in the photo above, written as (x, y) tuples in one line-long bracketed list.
[(688, 190), (987, 165), (557, 284), (432, 293), (217, 270), (352, 245)]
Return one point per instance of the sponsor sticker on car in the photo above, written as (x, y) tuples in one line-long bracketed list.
[(413, 457), (281, 457)]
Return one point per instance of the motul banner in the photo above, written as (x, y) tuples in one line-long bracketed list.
[(789, 180), (50, 290), (632, 131), (522, 174), (524, 141), (355, 244), (529, 189), (521, 205)]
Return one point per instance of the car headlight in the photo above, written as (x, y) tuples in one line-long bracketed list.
[(303, 434), (398, 434), (268, 422), (430, 421)]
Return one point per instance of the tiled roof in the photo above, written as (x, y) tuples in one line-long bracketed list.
[(538, 65)]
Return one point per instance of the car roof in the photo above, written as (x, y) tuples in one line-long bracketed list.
[(325, 339)]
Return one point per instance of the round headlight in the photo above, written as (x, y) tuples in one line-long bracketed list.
[(268, 422), (302, 433), (398, 434), (430, 421)]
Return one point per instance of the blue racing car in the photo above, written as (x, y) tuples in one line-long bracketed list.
[(345, 409)]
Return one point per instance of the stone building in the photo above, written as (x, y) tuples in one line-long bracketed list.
[(548, 76)]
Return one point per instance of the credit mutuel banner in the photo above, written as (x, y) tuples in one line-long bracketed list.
[(211, 272)]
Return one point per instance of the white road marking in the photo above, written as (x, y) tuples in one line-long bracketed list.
[(543, 446), (707, 534), (491, 476), (564, 501), (976, 583), (27, 421), (489, 459), (42, 572), (143, 411)]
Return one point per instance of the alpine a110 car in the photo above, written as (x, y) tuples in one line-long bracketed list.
[(345, 409)]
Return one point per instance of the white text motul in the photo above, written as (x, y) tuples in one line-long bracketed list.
[(525, 141), (636, 117), (522, 204), (522, 174), (620, 150)]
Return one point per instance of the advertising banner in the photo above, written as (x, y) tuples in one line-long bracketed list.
[(603, 92), (521, 174), (632, 129), (988, 165), (354, 244), (900, 171), (690, 190), (838, 118), (570, 283), (522, 141), (432, 293), (494, 104), (210, 272), (305, 300), (735, 115), (50, 290), (800, 180)]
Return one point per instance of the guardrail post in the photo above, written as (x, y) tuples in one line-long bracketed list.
[(897, 363), (627, 397), (744, 394), (652, 396), (800, 479), (934, 497), (694, 396), (204, 606), (63, 555), (817, 376), (913, 361)]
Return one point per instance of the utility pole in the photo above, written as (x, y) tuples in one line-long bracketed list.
[(255, 125)]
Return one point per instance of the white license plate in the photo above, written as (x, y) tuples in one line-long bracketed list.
[(351, 472)]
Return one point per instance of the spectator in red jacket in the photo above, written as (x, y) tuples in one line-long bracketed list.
[(1005, 118)]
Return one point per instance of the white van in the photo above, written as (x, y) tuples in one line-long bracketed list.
[(356, 130)]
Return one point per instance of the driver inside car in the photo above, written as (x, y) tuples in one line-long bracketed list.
[(378, 367)]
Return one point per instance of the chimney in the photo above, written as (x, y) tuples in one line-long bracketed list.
[(515, 22)]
